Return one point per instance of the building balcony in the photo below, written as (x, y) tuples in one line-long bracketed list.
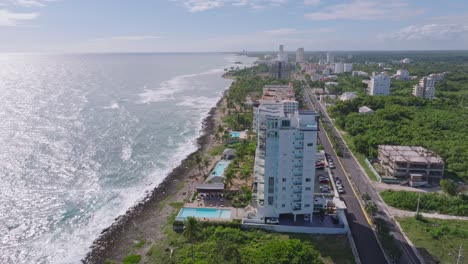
[(298, 137), (297, 183), (299, 191), (297, 199), (297, 165), (298, 173), (298, 155), (297, 146)]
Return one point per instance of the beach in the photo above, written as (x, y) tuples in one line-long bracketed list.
[(145, 220)]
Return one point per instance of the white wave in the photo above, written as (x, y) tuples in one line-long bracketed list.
[(114, 105)]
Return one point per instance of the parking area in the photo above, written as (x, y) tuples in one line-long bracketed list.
[(330, 221)]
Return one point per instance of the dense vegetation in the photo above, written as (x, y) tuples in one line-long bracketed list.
[(438, 240), (232, 245), (439, 125), (430, 202)]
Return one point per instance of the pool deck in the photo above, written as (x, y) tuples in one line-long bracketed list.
[(216, 203)]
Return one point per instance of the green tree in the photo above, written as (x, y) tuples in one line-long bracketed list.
[(371, 208), (191, 231), (245, 172), (448, 186), (229, 176)]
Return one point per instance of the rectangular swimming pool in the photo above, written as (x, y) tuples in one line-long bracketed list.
[(219, 168), (235, 134), (203, 213)]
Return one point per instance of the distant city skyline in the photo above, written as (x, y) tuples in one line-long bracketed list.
[(231, 25)]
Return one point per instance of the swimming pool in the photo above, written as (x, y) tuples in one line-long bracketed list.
[(203, 213), (219, 168), (235, 134)]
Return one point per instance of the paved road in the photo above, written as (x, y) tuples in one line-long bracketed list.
[(366, 242)]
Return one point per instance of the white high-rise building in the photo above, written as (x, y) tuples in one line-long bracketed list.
[(282, 55), (425, 88), (379, 84), (285, 162), (348, 67), (330, 57), (402, 74), (339, 67), (300, 55)]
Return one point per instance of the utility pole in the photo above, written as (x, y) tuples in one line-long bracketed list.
[(460, 255), (417, 208)]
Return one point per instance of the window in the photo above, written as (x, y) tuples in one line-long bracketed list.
[(284, 179), (285, 123), (270, 200), (306, 205), (307, 188), (284, 188), (283, 205), (310, 144), (307, 179)]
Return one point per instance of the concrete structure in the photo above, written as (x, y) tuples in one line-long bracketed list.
[(425, 88), (280, 70), (379, 84), (300, 55), (437, 76), (285, 160), (402, 74), (348, 67), (365, 110), (402, 161), (339, 68)]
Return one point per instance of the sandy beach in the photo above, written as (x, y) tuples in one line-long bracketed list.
[(144, 221)]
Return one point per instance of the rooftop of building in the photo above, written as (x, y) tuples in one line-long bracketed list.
[(414, 154), (278, 92)]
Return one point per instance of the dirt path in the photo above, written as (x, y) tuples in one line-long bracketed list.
[(403, 213)]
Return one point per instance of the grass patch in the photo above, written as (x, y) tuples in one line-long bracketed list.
[(430, 202), (333, 248), (132, 259), (437, 240), (140, 244), (360, 158), (216, 151)]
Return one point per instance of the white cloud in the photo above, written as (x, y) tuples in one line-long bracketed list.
[(292, 31), (129, 38), (10, 19), (311, 2), (25, 3), (366, 10), (429, 32), (203, 5)]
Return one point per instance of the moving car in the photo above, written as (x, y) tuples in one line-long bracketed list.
[(340, 189)]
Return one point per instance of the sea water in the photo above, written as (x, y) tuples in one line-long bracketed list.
[(84, 137)]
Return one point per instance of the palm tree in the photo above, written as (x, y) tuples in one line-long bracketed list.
[(191, 230), (229, 176), (245, 172)]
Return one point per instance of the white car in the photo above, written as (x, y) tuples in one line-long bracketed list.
[(307, 218), (341, 189), (273, 221)]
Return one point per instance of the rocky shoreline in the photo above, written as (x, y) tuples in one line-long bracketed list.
[(143, 220)]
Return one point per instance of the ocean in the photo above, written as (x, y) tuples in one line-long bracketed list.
[(85, 137)]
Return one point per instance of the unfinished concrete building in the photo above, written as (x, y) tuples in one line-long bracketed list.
[(411, 162)]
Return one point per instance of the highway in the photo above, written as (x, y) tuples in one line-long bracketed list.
[(365, 239)]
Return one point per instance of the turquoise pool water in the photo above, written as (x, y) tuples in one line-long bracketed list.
[(204, 213), (235, 134), (219, 168)]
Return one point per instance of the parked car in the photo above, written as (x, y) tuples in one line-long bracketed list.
[(341, 189), (307, 218), (331, 165), (324, 181), (272, 221)]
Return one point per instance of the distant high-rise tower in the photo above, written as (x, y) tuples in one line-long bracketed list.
[(280, 70), (379, 84), (282, 55), (330, 57), (300, 55)]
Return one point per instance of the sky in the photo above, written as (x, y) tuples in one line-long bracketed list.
[(59, 26)]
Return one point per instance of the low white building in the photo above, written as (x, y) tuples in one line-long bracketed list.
[(360, 74), (348, 96), (405, 61), (379, 84), (402, 74), (365, 110)]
